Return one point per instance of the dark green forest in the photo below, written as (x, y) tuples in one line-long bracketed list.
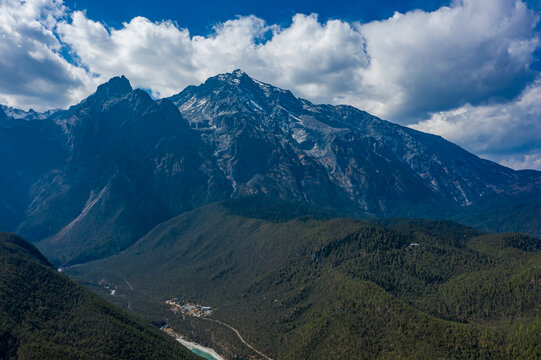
[(315, 288), (44, 315)]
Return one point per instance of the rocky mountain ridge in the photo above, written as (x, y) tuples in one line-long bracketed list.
[(89, 181), (373, 163)]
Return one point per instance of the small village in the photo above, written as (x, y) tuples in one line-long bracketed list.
[(188, 309)]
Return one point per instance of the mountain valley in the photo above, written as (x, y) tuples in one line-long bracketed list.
[(312, 231), (312, 288)]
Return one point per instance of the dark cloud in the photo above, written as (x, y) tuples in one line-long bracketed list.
[(507, 132)]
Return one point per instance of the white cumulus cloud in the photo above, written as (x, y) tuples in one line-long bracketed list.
[(400, 68), (313, 59), (33, 72), (471, 52)]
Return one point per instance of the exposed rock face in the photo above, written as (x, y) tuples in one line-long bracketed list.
[(266, 140), (87, 182)]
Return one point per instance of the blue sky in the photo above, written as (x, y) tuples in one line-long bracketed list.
[(468, 70), (200, 16)]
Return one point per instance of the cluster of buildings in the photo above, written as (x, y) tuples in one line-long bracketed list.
[(188, 309)]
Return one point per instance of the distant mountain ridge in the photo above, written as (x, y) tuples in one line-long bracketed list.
[(26, 115), (89, 181)]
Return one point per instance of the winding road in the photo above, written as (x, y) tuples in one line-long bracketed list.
[(240, 337)]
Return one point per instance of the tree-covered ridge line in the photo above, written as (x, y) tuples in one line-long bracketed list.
[(45, 315)]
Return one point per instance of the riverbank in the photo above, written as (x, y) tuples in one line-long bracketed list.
[(194, 346), (213, 355)]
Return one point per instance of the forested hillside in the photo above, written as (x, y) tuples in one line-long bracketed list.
[(44, 315), (309, 288)]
